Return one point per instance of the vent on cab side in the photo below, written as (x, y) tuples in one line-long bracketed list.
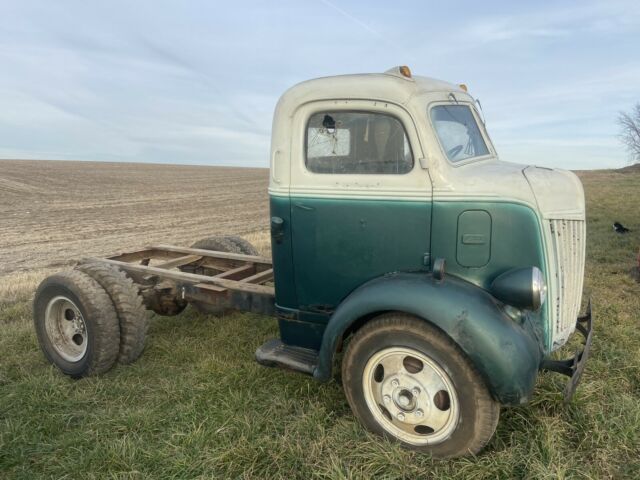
[(474, 238)]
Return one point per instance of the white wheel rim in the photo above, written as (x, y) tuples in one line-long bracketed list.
[(410, 396), (66, 328)]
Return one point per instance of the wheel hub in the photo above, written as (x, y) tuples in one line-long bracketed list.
[(411, 396), (66, 328), (404, 399)]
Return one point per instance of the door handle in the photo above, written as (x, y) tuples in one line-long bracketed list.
[(277, 229), (303, 206)]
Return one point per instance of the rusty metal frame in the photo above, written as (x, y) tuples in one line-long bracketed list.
[(230, 279)]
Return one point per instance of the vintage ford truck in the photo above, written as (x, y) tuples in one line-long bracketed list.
[(444, 276)]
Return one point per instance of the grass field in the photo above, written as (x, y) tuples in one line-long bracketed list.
[(197, 405)]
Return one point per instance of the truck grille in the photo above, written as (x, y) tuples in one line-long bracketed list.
[(568, 243)]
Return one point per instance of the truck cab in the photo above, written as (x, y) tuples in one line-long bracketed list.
[(387, 197), (379, 173)]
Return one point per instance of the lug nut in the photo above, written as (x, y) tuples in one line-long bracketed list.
[(387, 399), (416, 391), (401, 416), (394, 383), (418, 413)]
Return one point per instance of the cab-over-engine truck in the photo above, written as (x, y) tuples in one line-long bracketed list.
[(445, 276)]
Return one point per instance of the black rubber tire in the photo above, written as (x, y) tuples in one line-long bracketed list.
[(100, 317), (479, 412), (244, 245), (219, 243), (226, 243), (132, 315)]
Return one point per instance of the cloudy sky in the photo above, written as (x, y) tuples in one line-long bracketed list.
[(196, 82)]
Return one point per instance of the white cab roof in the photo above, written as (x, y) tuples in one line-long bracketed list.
[(389, 86)]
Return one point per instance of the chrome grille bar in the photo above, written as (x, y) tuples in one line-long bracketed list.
[(568, 249)]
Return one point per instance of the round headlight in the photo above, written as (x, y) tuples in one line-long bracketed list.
[(538, 288), (521, 287)]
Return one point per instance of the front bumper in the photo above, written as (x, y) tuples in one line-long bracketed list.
[(574, 366)]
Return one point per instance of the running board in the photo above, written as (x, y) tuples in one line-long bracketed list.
[(274, 353)]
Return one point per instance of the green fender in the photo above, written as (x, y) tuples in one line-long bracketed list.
[(505, 353)]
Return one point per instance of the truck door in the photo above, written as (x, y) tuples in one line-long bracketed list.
[(360, 201)]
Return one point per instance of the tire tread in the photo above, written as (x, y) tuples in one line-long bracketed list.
[(220, 243), (98, 305), (128, 304)]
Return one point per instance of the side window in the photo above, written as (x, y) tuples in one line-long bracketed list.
[(357, 142)]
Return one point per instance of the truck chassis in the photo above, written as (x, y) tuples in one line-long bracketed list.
[(223, 279)]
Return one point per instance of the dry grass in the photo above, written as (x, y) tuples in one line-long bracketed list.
[(197, 405), (19, 286)]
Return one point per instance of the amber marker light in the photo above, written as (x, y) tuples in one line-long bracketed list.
[(463, 87), (405, 71)]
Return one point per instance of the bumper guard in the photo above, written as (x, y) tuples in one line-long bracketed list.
[(574, 366)]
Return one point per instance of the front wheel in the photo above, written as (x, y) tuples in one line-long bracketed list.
[(407, 380)]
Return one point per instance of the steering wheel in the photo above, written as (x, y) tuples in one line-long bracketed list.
[(453, 152)]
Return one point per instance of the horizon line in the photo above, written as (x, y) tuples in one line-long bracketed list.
[(637, 164)]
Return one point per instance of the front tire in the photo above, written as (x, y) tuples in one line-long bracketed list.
[(76, 324), (406, 380)]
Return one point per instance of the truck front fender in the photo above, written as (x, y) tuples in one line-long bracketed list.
[(505, 353)]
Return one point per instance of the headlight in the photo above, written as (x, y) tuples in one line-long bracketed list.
[(521, 287), (538, 288)]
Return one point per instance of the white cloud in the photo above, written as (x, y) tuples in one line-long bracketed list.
[(197, 81)]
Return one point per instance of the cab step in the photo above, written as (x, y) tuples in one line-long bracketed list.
[(274, 353)]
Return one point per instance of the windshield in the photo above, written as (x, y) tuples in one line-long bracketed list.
[(458, 132)]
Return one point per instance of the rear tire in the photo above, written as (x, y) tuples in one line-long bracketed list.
[(226, 243), (76, 324), (219, 243), (128, 304), (407, 380), (244, 246)]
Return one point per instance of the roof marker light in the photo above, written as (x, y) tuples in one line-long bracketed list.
[(405, 71), (463, 87)]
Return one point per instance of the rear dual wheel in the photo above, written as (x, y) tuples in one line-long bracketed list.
[(76, 324), (88, 319), (132, 315), (408, 381)]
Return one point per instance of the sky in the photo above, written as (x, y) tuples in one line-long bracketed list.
[(196, 82)]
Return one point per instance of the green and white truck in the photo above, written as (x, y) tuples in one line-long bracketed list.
[(440, 277)]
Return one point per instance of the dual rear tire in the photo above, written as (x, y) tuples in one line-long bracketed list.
[(92, 317), (132, 316), (88, 319)]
